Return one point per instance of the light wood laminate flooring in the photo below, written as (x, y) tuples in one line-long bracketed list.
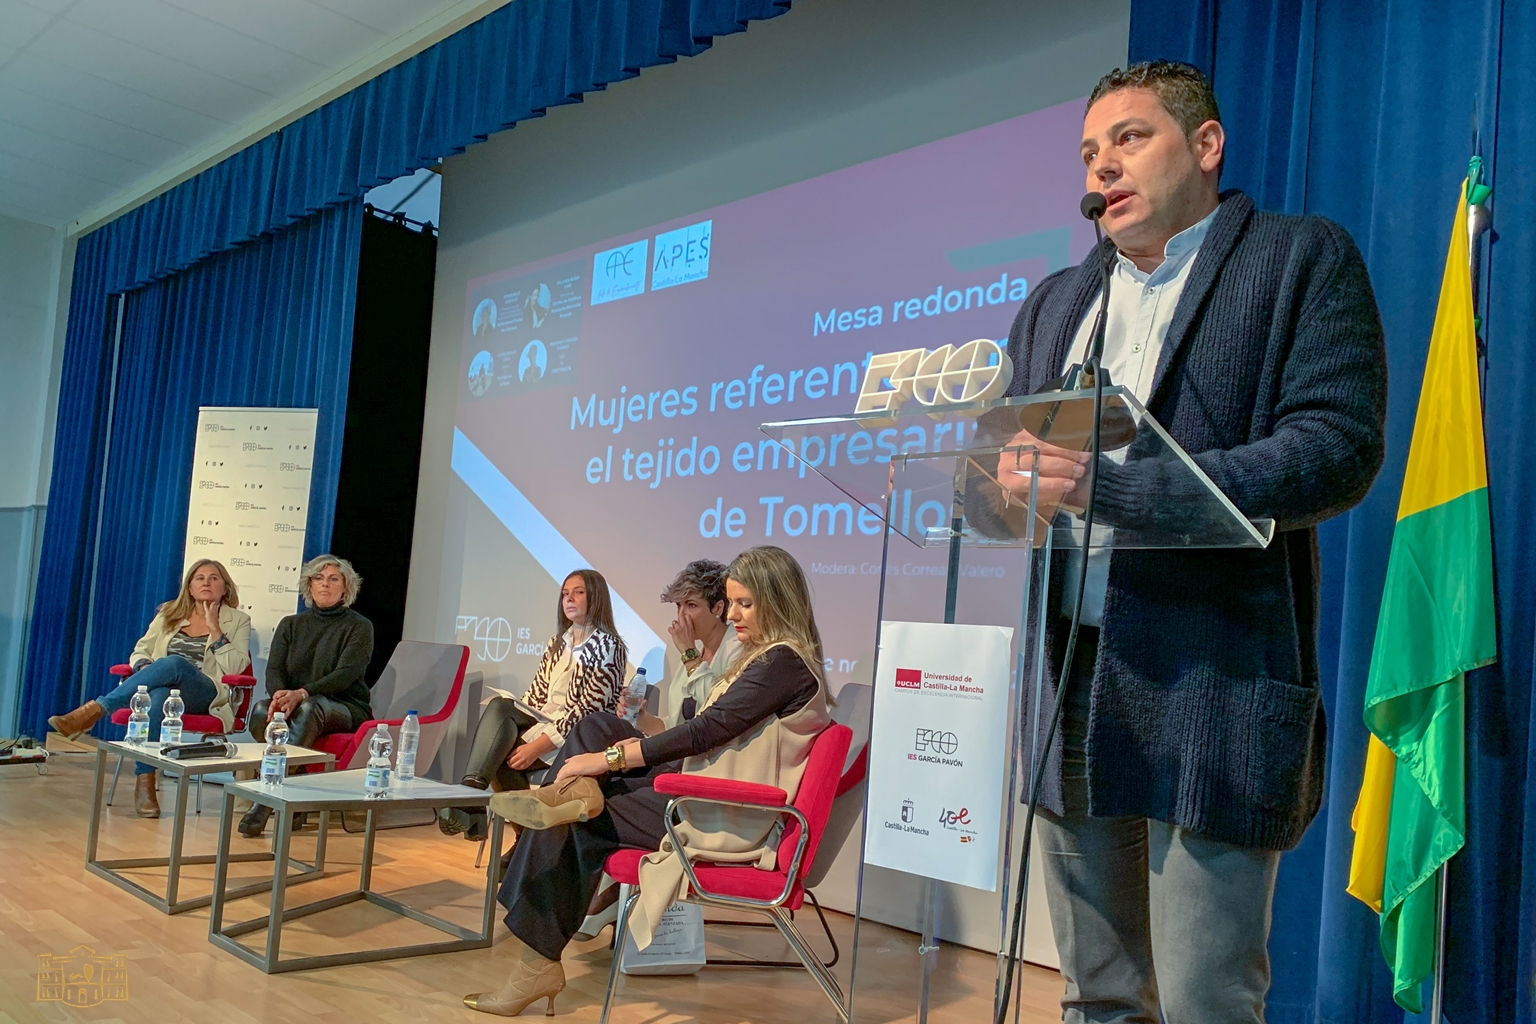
[(50, 904)]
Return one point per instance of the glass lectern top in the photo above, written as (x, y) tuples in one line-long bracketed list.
[(1151, 494)]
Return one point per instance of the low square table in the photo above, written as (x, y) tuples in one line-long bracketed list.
[(248, 755), (342, 791)]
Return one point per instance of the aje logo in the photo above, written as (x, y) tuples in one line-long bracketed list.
[(909, 679), (82, 979), (619, 273)]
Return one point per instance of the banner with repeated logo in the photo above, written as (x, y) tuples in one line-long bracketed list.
[(250, 502), (938, 751)]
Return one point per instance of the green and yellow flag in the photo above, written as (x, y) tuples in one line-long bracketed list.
[(1436, 624)]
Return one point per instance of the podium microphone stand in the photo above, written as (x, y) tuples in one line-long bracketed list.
[(947, 515)]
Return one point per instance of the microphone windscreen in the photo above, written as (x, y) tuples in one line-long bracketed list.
[(1094, 205)]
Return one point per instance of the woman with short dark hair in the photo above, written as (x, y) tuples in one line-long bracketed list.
[(316, 668), (703, 644), (582, 671)]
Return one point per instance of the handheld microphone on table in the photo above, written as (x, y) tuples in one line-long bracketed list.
[(1088, 374)]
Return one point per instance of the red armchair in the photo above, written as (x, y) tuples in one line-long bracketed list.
[(240, 688), (424, 677), (746, 887)]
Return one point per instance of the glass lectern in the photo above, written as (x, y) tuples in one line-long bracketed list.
[(968, 540)]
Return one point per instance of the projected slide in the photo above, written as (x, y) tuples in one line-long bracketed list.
[(610, 397)]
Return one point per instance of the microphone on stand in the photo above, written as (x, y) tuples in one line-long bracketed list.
[(1093, 206), (1088, 375), (1065, 424)]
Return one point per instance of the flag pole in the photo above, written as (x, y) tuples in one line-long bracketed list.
[(1478, 221), (1437, 996)]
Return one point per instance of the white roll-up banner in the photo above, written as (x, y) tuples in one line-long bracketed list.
[(938, 751), (251, 470)]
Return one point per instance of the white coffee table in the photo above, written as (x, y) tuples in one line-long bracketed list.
[(248, 755), (341, 791)]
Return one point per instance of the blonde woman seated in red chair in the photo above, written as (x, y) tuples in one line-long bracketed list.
[(191, 644), (757, 725)]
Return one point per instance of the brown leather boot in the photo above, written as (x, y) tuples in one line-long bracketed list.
[(77, 721), (145, 800)]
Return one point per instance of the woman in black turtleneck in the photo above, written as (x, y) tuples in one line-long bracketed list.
[(315, 666)]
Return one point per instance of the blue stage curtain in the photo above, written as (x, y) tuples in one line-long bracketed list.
[(263, 325), (1366, 111), (511, 65), (60, 606)]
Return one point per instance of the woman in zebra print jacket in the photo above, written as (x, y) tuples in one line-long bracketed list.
[(582, 671)]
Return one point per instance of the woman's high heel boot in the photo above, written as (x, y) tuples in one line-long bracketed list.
[(533, 978), (572, 799)]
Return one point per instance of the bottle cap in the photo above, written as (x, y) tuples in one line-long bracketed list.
[(411, 712), (639, 671)]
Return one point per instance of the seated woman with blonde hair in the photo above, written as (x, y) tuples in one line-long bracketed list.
[(191, 644), (757, 725)]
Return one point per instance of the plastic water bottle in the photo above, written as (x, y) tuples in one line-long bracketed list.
[(170, 724), (634, 697), (138, 717), (410, 735), (376, 781), (274, 760)]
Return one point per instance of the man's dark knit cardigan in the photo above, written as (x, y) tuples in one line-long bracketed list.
[(1205, 708)]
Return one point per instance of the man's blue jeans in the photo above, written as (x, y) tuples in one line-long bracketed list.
[(1152, 922), (197, 692)]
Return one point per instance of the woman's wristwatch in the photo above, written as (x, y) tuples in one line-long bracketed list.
[(691, 654), (615, 758)]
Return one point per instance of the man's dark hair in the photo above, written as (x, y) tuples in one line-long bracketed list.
[(704, 578), (1181, 88)]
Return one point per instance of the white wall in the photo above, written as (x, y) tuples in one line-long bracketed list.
[(831, 84), (35, 261)]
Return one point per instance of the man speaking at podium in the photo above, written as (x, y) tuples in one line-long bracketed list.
[(1192, 744)]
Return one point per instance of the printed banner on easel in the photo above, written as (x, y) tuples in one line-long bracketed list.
[(938, 752), (250, 502)]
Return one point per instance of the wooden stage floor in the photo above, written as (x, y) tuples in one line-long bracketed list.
[(50, 904)]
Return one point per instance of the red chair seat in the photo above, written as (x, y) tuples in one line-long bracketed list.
[(205, 724), (339, 743), (727, 880), (240, 689)]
